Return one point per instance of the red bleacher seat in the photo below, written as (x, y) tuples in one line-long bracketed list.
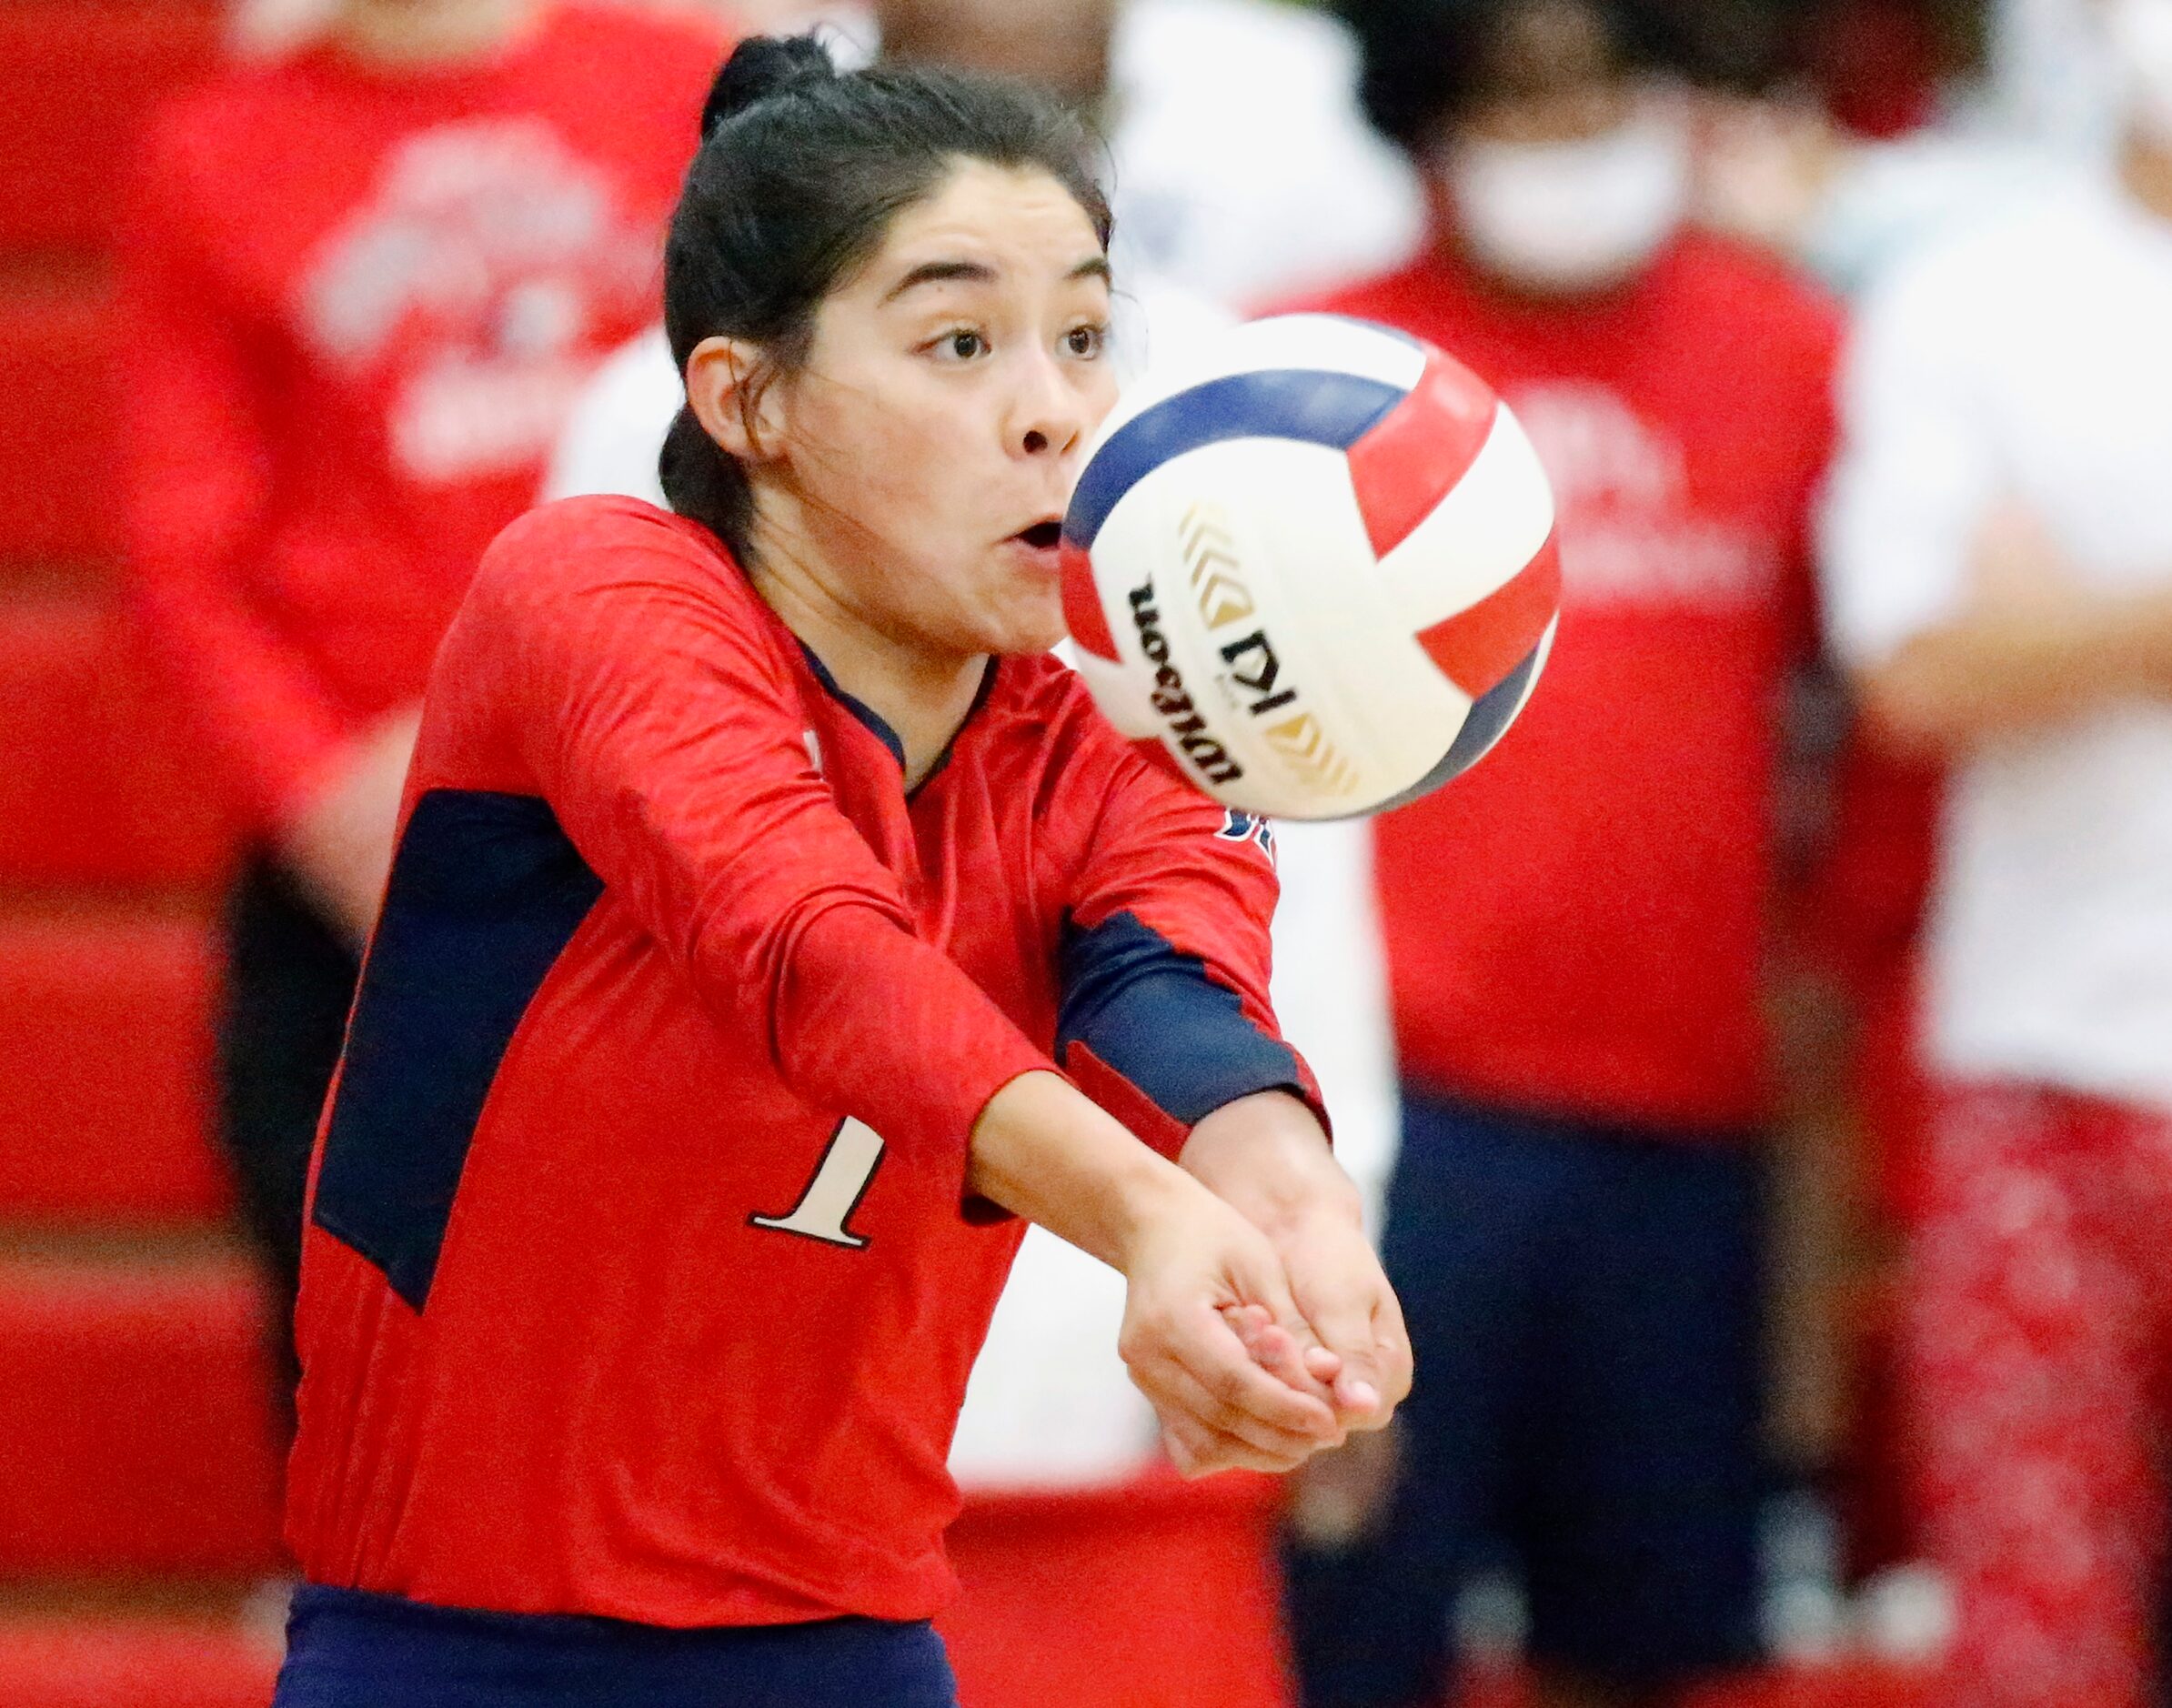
[(105, 1032), (1158, 1595), (56, 437), (96, 783), (136, 1433), (93, 1661), (77, 78)]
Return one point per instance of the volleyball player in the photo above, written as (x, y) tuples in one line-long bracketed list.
[(755, 875)]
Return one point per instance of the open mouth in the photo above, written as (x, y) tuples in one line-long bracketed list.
[(1041, 535)]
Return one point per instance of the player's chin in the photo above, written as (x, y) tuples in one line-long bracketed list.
[(1024, 617)]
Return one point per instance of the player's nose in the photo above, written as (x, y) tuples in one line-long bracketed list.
[(1048, 414)]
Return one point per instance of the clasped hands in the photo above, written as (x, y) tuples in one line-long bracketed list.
[(1258, 1321)]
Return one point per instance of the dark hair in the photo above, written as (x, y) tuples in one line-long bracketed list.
[(1426, 62), (800, 171)]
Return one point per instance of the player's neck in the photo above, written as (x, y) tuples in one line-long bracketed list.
[(924, 697)]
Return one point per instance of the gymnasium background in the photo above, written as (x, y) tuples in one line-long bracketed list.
[(139, 1457)]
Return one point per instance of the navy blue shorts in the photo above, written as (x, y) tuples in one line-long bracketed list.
[(1584, 1303), (345, 1648)]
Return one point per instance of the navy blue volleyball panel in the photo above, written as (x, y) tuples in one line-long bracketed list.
[(485, 892), (1488, 718), (1314, 405), (1151, 1013)]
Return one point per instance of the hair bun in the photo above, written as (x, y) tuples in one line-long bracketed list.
[(760, 67)]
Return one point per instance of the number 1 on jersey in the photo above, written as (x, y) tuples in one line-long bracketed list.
[(841, 1181)]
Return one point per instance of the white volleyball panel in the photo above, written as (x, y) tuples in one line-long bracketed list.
[(1285, 679), (1333, 343), (1315, 343), (1485, 528)]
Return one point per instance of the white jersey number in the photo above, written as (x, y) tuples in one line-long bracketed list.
[(841, 1181)]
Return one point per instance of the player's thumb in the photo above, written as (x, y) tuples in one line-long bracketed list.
[(1266, 1283)]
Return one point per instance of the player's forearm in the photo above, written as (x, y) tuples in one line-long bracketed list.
[(1044, 1150), (1266, 1157), (1999, 673)]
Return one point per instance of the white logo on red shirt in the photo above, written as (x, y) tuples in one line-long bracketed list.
[(1631, 530), (472, 281)]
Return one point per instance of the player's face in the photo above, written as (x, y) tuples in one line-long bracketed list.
[(938, 423)]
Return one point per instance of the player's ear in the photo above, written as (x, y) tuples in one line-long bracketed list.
[(726, 390)]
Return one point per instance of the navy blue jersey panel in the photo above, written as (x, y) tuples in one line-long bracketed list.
[(860, 709), (1155, 1015), (1311, 405), (485, 892)]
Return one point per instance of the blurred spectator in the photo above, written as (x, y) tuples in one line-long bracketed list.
[(367, 278), (2000, 577), (1577, 931), (1241, 166)]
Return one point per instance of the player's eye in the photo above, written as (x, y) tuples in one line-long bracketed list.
[(961, 344), (1085, 341)]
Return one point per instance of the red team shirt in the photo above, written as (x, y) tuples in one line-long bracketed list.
[(1578, 924), (613, 1302), (370, 298)]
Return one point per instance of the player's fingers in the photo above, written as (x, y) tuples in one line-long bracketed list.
[(1204, 1454), (1268, 1287), (1211, 1353), (1181, 1393), (1198, 1450), (1391, 1364), (1275, 1350)]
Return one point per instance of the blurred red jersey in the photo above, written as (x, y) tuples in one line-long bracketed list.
[(374, 295), (640, 1278), (1578, 925)]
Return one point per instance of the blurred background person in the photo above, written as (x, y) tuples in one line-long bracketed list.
[(1577, 933), (1999, 563), (365, 279), (1241, 166)]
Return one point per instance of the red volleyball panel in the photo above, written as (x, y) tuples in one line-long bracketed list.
[(1409, 459), (1476, 649), (1082, 613)]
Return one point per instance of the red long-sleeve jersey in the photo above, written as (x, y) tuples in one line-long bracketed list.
[(641, 1278), (361, 302)]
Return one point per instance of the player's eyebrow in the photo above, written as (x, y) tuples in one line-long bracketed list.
[(941, 273), (980, 272)]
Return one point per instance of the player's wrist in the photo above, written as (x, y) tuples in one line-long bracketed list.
[(1267, 1158), (1043, 1150)]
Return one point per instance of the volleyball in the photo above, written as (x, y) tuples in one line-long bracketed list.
[(1309, 567)]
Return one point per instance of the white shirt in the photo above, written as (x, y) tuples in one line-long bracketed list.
[(1241, 166), (1244, 168), (1050, 1402), (2029, 361)]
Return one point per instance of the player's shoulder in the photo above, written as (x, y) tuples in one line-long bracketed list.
[(1076, 766), (1040, 702), (561, 549)]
